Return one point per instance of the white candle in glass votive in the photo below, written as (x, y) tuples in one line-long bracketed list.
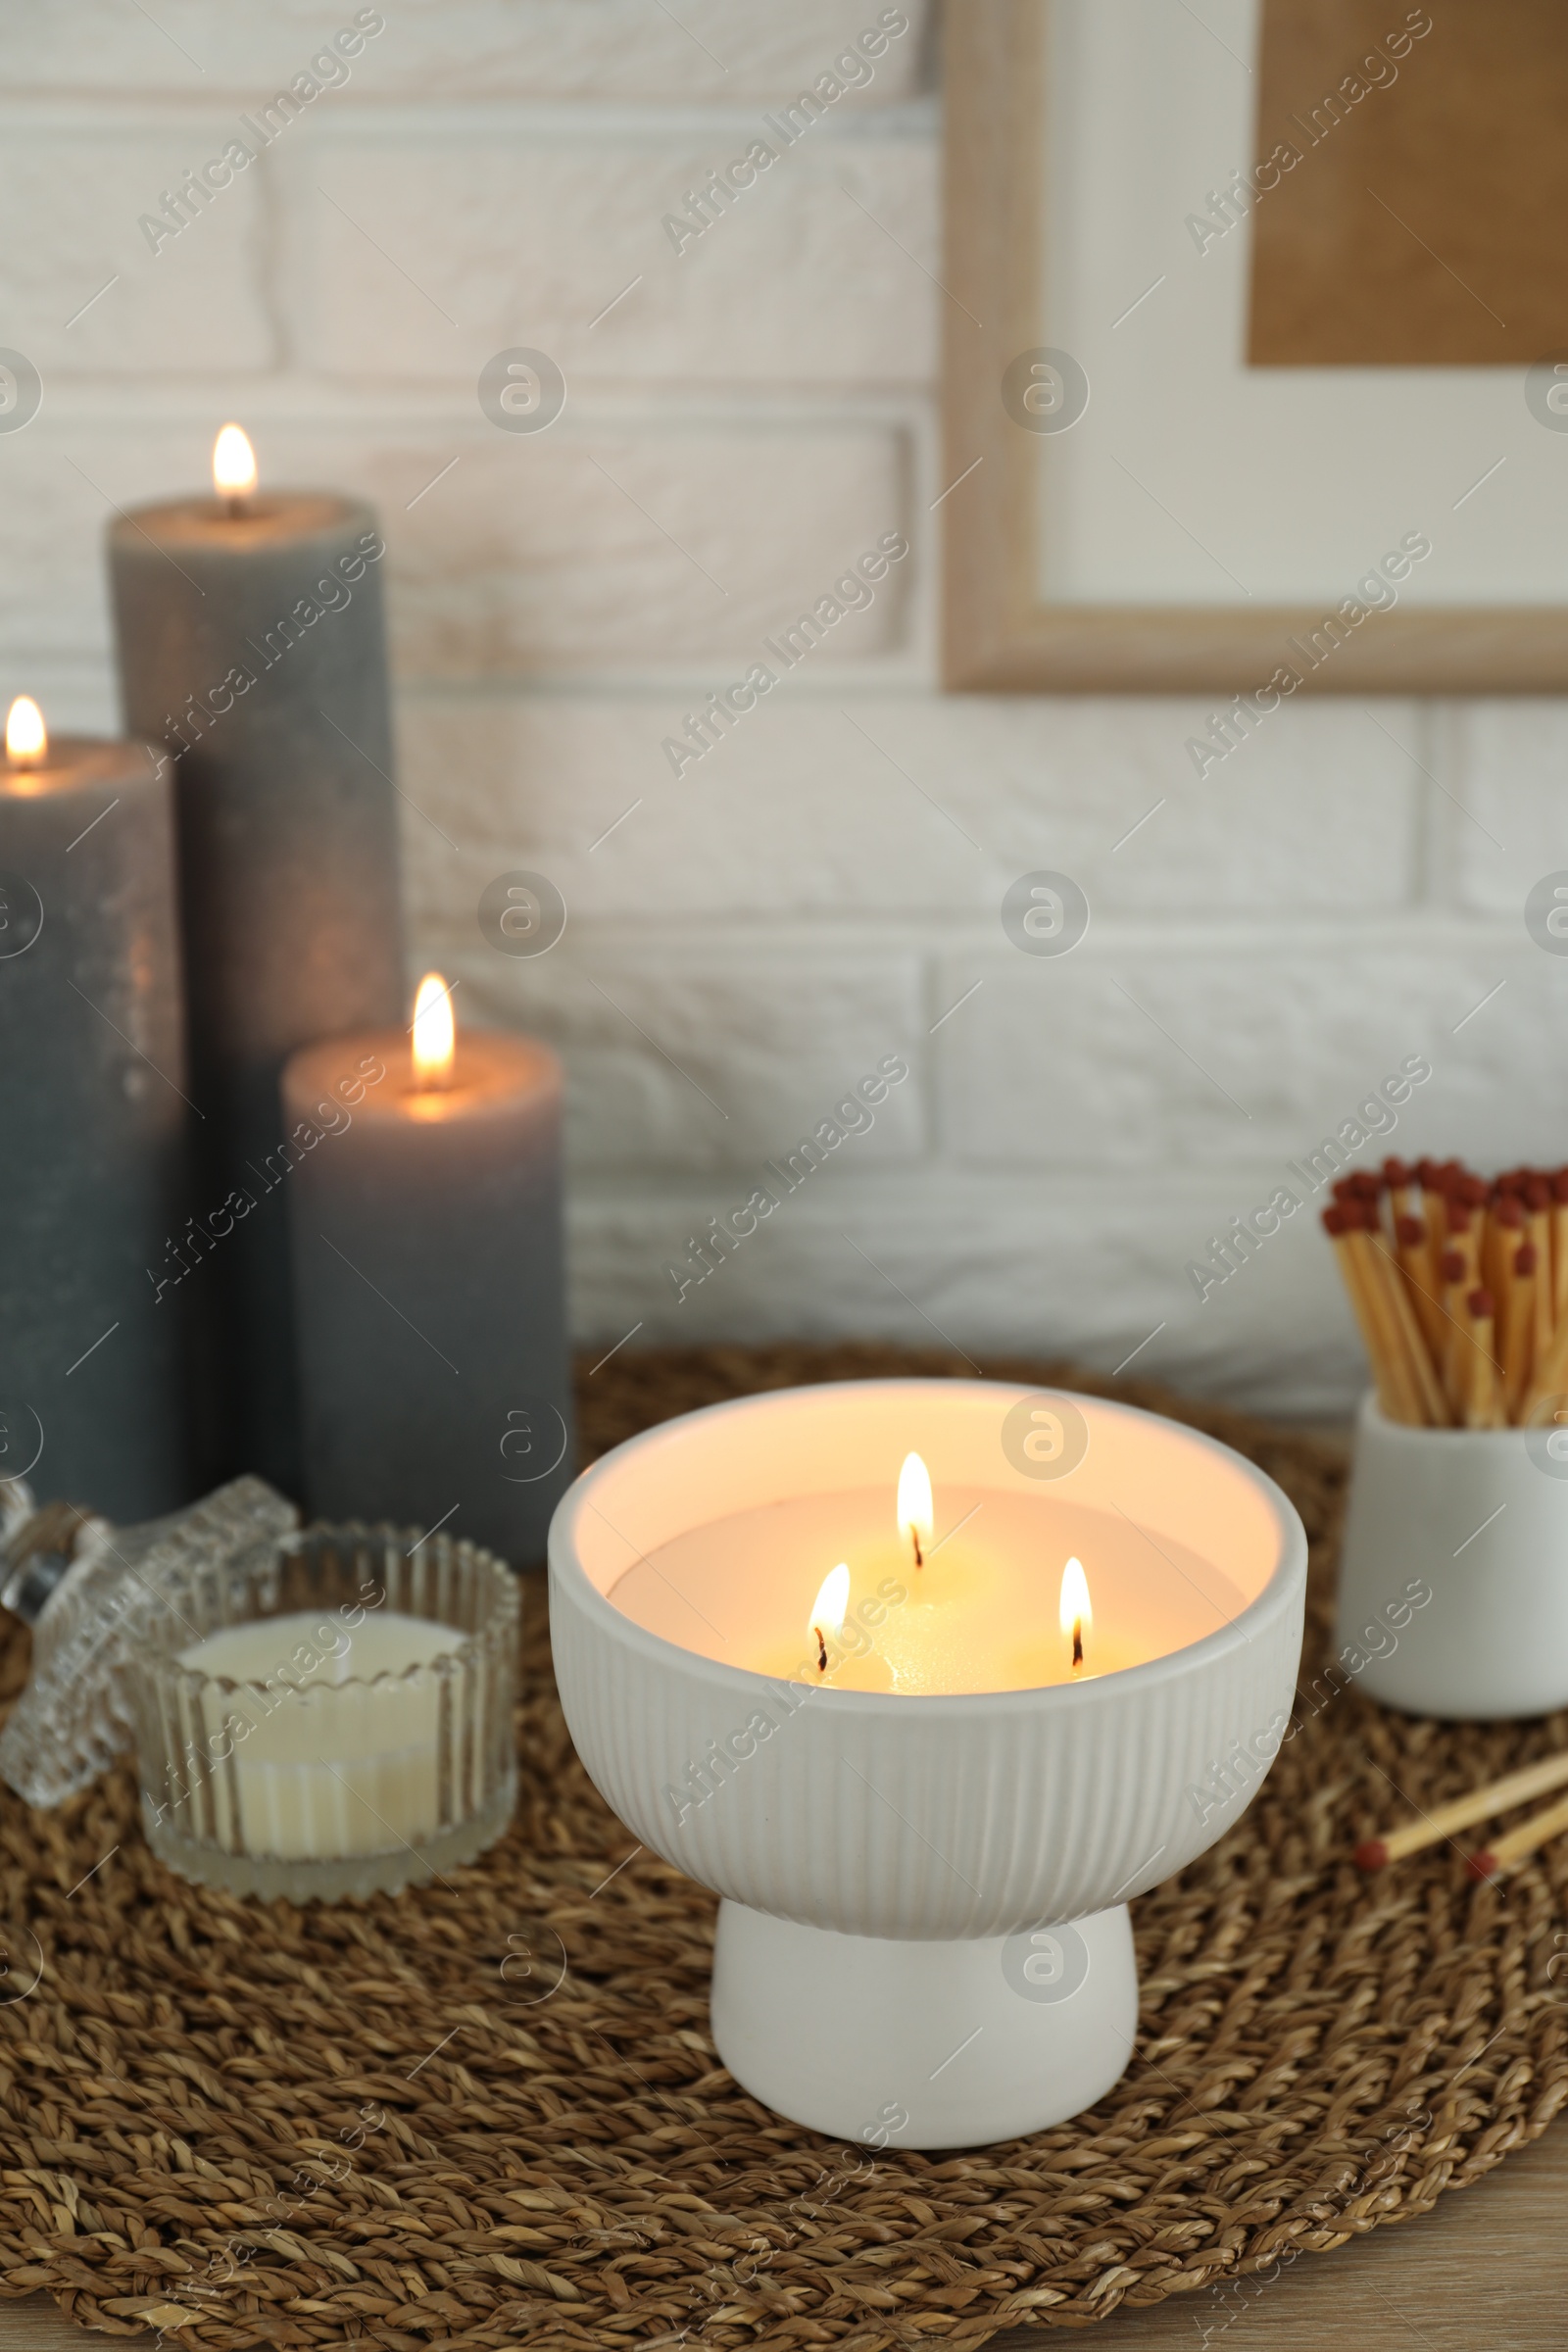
[(339, 1757)]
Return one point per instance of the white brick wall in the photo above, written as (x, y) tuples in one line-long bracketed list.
[(824, 887)]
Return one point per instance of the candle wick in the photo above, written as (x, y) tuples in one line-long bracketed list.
[(1077, 1643), (914, 1539), (236, 505), (821, 1650)]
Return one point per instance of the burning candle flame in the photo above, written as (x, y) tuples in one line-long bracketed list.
[(1076, 1615), (915, 1507), (827, 1610), (434, 1033), (234, 466), (27, 736)]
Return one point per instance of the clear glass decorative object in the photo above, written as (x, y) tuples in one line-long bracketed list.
[(86, 1587), (329, 1717)]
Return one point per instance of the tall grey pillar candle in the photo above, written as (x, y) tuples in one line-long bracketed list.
[(429, 1289), (92, 1180), (250, 644)]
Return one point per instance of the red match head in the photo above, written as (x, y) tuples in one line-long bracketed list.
[(1480, 1304), (1371, 1854)]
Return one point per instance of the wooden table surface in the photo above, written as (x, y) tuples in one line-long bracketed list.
[(1486, 2272)]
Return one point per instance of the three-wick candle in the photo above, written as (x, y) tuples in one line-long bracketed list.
[(978, 1590)]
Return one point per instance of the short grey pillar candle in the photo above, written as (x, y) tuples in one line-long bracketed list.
[(92, 1180), (250, 644), (429, 1286)]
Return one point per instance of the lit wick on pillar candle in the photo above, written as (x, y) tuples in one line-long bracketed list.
[(233, 470), (27, 736), (434, 1035), (916, 1509), (828, 1608), (1076, 1615)]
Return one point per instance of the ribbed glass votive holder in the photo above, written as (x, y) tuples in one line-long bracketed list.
[(331, 1718)]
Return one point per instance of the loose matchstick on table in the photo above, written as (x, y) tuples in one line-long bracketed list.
[(1464, 1812), (1503, 1854)]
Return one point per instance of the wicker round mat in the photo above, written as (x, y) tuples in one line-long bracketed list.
[(490, 2113)]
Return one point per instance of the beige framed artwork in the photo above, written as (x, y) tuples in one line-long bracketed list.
[(1257, 347)]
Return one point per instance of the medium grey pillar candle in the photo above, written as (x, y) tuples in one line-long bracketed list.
[(250, 644), (92, 1182), (429, 1286)]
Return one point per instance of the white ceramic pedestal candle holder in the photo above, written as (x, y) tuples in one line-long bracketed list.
[(924, 1935)]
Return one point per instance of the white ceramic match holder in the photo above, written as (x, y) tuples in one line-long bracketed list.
[(1454, 1579), (924, 1935)]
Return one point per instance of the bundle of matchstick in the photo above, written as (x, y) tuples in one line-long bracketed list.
[(1461, 1288), (1503, 1854)]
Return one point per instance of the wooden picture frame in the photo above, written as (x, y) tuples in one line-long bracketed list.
[(1000, 634)]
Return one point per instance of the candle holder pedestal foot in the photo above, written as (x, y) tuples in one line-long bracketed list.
[(924, 2044)]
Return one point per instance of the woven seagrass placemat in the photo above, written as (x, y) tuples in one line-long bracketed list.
[(491, 2114)]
